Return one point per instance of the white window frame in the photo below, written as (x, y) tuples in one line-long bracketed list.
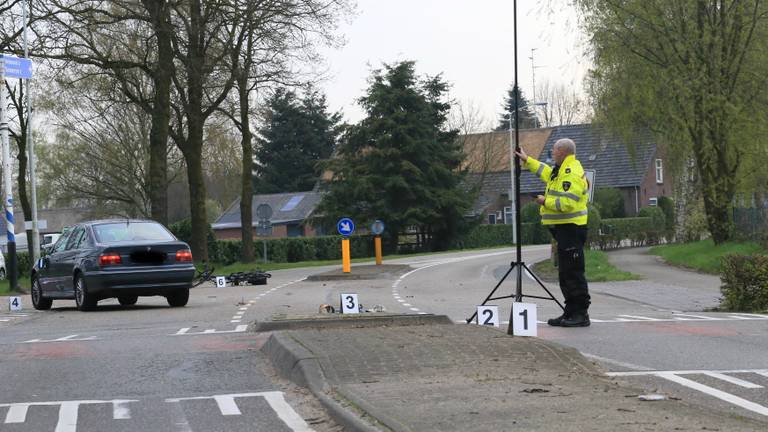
[(659, 171), (507, 219), (653, 202), (491, 218)]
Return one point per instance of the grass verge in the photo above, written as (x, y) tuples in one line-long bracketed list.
[(598, 269), (703, 255)]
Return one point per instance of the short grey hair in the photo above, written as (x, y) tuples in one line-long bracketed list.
[(566, 144)]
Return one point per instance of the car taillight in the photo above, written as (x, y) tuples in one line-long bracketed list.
[(109, 259), (184, 256)]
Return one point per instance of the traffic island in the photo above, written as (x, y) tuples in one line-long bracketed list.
[(363, 272), (446, 377)]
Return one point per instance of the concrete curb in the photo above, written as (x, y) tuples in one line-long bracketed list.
[(334, 321), (298, 364)]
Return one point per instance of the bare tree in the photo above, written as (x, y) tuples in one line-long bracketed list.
[(130, 41), (278, 35), (564, 105), (101, 154)]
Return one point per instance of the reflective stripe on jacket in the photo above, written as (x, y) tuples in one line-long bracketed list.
[(566, 194)]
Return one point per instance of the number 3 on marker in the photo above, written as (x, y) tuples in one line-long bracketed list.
[(349, 304), (488, 315)]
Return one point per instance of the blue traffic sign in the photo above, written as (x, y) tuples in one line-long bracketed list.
[(345, 226), (377, 227), (15, 67)]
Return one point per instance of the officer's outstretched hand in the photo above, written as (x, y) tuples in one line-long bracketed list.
[(522, 155)]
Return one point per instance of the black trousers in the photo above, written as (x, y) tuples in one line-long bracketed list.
[(570, 253)]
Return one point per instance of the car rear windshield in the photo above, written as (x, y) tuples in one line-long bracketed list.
[(119, 232)]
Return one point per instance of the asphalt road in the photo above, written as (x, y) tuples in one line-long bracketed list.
[(150, 367)]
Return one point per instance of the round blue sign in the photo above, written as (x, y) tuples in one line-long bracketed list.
[(345, 226), (377, 228)]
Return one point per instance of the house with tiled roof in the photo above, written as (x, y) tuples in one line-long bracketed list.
[(638, 173), (291, 215)]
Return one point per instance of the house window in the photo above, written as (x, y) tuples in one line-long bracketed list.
[(507, 215), (295, 230), (659, 172), (492, 219), (653, 202)]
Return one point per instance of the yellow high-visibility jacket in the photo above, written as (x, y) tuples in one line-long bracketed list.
[(566, 195)]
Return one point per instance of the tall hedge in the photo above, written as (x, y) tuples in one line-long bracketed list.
[(614, 232), (745, 282)]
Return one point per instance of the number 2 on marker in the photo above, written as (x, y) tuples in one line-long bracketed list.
[(488, 317)]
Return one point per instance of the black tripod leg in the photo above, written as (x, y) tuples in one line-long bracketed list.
[(542, 285), (474, 314)]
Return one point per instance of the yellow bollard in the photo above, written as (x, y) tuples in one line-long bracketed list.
[(377, 242), (346, 265)]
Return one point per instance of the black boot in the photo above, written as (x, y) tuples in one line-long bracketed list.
[(576, 320), (557, 322)]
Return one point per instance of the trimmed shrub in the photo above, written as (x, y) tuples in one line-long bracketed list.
[(610, 201), (658, 221), (745, 282), (614, 231), (668, 207)]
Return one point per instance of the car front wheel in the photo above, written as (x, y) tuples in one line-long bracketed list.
[(38, 301), (84, 300), (178, 298)]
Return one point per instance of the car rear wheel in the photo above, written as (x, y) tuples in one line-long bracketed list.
[(127, 300), (38, 301), (84, 301), (178, 298)]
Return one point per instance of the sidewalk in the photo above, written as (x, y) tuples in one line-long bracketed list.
[(680, 289), (445, 377)]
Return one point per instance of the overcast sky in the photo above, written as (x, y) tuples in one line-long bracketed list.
[(470, 42)]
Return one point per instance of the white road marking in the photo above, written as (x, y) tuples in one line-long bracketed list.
[(243, 309), (68, 411), (238, 329), (235, 321), (407, 304), (697, 317), (415, 309), (642, 318), (184, 330), (727, 397), (758, 316), (732, 380), (228, 406), (121, 410), (286, 412), (70, 338), (68, 417), (675, 377)]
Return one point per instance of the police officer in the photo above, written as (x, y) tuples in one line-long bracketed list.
[(564, 211)]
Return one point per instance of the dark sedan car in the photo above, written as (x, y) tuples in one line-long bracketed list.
[(126, 259)]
